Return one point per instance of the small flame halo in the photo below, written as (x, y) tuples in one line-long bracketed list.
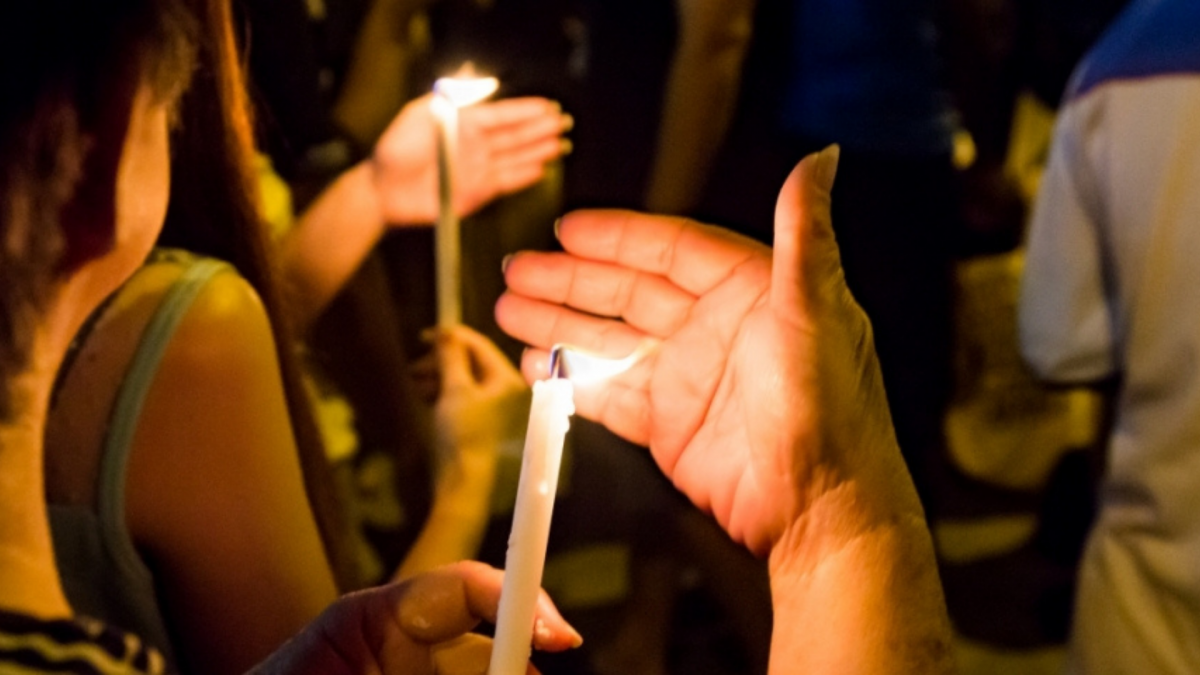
[(461, 91), (583, 367)]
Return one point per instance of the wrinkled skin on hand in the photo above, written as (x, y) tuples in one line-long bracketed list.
[(764, 394), (416, 627), (504, 147)]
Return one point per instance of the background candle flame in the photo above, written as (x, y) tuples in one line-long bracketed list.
[(462, 91)]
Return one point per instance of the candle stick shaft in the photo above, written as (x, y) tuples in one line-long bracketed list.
[(447, 234), (548, 421)]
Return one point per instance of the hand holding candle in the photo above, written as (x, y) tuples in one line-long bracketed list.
[(449, 95)]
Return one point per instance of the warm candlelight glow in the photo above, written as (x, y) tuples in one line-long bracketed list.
[(461, 91), (584, 368), (449, 95)]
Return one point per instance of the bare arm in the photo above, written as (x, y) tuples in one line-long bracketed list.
[(376, 84), (29, 582), (701, 96), (329, 242), (216, 495), (482, 403), (458, 517)]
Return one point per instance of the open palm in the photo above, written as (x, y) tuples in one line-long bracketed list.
[(763, 393), (504, 147)]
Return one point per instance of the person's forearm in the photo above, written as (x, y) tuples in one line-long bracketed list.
[(330, 240), (699, 104), (456, 523), (376, 83), (857, 600)]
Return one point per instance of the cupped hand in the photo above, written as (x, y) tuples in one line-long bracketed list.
[(415, 627), (763, 394), (503, 147)]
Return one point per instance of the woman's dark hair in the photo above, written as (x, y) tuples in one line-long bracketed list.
[(214, 210), (61, 61)]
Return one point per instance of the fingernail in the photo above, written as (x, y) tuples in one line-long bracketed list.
[(556, 105), (504, 263), (558, 229), (576, 638), (827, 166), (428, 336), (568, 123), (565, 146)]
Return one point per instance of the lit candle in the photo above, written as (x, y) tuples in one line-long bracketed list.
[(553, 404), (548, 422), (449, 95)]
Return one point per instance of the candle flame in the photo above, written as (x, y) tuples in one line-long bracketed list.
[(582, 367), (465, 87)]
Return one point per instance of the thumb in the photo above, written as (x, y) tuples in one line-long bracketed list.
[(454, 361), (489, 364), (805, 255)]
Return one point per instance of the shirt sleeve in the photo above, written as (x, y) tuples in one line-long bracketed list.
[(1065, 323)]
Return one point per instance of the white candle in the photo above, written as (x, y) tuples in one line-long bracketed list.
[(549, 415), (553, 404), (450, 94)]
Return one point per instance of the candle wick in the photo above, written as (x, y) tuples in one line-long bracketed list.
[(558, 368)]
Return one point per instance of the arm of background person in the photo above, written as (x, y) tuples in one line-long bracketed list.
[(762, 401), (700, 100), (482, 402), (504, 147), (376, 83), (417, 627), (215, 492)]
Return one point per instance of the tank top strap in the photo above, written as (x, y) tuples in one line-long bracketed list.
[(118, 442)]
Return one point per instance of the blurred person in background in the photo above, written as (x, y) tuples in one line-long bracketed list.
[(1106, 303)]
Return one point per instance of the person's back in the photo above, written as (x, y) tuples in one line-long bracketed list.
[(175, 515), (1109, 296)]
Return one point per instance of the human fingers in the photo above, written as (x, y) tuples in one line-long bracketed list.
[(506, 180), (424, 374), (489, 365), (691, 255), (447, 602), (454, 361), (509, 111), (648, 302), (806, 258), (541, 151), (470, 654), (503, 137), (544, 324)]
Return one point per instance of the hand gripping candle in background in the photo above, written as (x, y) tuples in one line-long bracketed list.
[(553, 404), (449, 95)]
